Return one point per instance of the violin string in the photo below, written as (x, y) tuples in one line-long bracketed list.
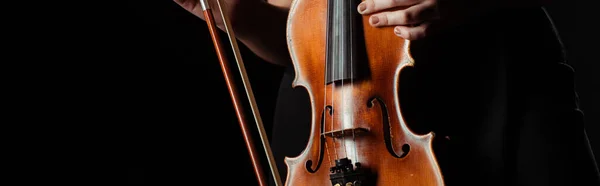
[(333, 111), (332, 116), (326, 141), (325, 123), (328, 156), (325, 99), (336, 73), (352, 14), (333, 62), (342, 19)]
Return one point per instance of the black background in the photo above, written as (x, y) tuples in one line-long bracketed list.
[(173, 106)]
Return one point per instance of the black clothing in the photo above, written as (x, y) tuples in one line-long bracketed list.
[(499, 88)]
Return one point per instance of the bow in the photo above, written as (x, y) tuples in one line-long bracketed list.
[(221, 54)]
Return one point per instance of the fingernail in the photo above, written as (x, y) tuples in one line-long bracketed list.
[(397, 31), (362, 7), (374, 20)]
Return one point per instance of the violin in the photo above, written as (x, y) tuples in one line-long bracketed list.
[(351, 72)]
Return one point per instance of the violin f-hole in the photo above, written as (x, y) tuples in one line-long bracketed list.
[(328, 109), (387, 137)]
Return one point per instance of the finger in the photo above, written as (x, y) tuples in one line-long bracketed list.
[(370, 6), (412, 15), (191, 6), (413, 33), (187, 4)]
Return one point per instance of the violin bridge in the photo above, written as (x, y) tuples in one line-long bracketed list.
[(349, 132)]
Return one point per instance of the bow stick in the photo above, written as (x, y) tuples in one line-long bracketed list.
[(208, 14)]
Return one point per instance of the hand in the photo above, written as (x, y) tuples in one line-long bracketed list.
[(412, 19), (232, 7), (259, 25)]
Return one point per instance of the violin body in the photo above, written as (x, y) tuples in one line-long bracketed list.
[(354, 99)]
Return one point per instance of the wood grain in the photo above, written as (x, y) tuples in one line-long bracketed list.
[(353, 107)]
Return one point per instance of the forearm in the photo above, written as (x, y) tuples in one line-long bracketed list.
[(503, 4), (474, 10), (263, 30)]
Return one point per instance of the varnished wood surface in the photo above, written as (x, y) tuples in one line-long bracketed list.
[(387, 54)]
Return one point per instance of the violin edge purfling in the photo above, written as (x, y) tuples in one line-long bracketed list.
[(365, 98)]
